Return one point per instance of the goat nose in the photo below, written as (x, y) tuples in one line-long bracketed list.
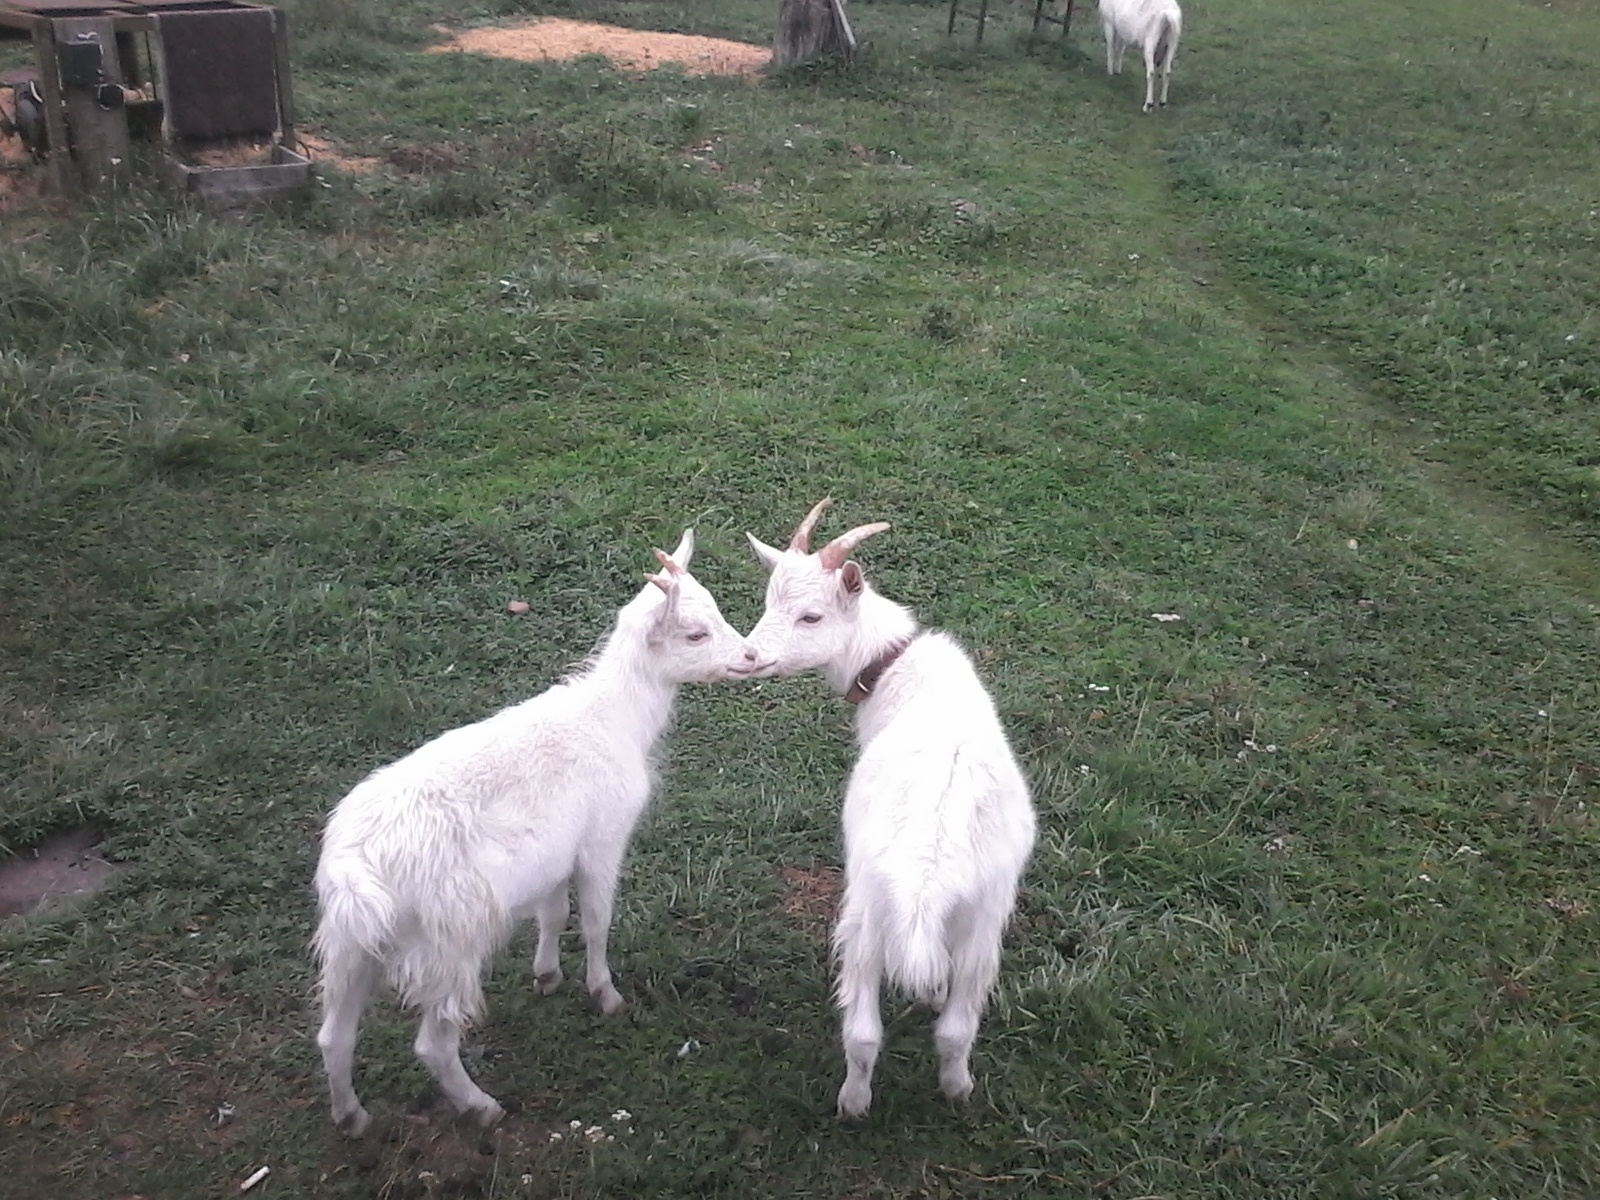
[(749, 654)]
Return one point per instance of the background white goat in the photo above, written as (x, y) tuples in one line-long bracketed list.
[(938, 826), (428, 863), (1152, 25)]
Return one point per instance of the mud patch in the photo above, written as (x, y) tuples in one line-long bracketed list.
[(556, 39), (812, 895), (53, 872)]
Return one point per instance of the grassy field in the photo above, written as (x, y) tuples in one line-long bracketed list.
[(1310, 359)]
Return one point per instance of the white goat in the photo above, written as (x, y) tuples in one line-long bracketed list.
[(937, 822), (428, 863), (1152, 25)]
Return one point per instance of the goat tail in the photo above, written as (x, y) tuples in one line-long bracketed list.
[(917, 955), (1167, 42), (359, 914)]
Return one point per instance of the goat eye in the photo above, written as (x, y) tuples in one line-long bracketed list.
[(698, 637), (811, 618)]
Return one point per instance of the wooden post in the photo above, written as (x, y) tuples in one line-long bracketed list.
[(1064, 20), (286, 115), (99, 135), (58, 157)]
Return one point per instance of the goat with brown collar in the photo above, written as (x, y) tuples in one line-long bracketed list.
[(938, 825)]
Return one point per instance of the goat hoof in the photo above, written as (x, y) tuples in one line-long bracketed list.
[(957, 1091), (853, 1103), (609, 999), (354, 1123), (488, 1116), (548, 982)]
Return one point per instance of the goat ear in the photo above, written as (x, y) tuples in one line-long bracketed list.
[(685, 550), (852, 579), (768, 556)]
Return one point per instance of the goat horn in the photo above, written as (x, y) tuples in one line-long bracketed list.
[(666, 561), (801, 540), (833, 555)]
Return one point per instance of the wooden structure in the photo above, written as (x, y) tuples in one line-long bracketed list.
[(809, 29), (1064, 20), (187, 74), (982, 17)]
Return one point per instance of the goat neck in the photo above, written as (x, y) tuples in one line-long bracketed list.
[(623, 679), (881, 624)]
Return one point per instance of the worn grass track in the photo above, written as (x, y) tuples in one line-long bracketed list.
[(1310, 915)]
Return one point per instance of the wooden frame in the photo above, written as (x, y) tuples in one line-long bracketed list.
[(89, 144), (1064, 20), (981, 16)]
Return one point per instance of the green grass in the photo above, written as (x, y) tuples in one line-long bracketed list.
[(1310, 911)]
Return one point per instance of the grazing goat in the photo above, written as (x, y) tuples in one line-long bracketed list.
[(428, 863), (1153, 26), (937, 822)]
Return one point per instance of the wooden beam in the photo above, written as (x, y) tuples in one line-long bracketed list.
[(286, 115), (58, 158), (99, 135)]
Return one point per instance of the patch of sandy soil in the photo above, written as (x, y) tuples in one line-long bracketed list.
[(555, 38), (321, 149)]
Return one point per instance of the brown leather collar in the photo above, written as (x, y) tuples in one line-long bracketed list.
[(873, 671)]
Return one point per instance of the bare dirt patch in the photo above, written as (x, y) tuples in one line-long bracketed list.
[(558, 39), (812, 894), (320, 149), (59, 867)]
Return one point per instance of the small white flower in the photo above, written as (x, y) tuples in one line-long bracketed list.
[(1572, 337), (527, 1181), (622, 1114), (1544, 712), (1165, 617), (555, 1135), (787, 144), (688, 1048), (574, 1125), (1083, 769), (1425, 877), (1133, 258), (595, 1133), (1460, 850), (1099, 687)]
